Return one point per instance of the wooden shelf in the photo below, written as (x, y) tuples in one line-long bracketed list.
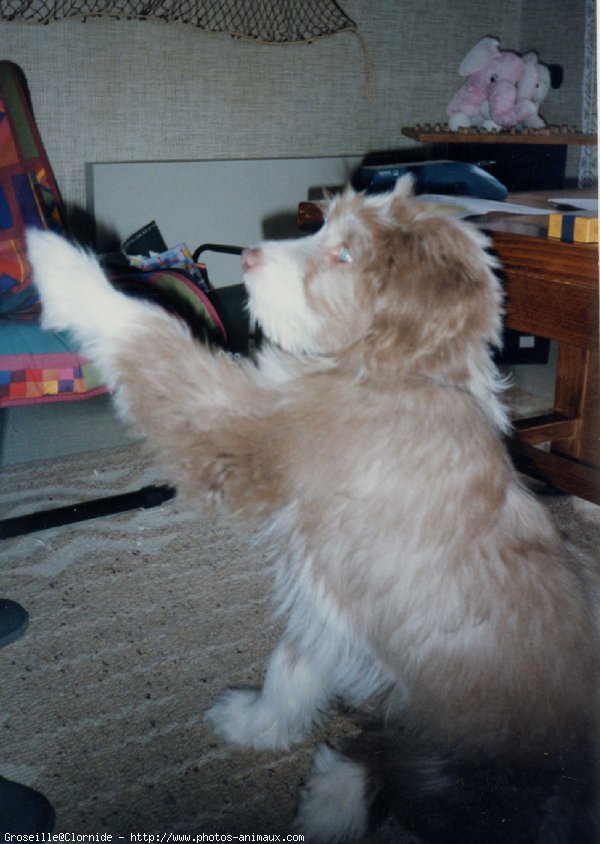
[(554, 136)]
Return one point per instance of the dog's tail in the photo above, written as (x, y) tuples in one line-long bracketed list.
[(442, 798)]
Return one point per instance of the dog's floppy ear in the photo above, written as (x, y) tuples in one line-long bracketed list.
[(438, 296)]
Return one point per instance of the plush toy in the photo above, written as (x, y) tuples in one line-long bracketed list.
[(534, 85), (489, 96)]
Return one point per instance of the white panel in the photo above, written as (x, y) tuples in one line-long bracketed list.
[(236, 202)]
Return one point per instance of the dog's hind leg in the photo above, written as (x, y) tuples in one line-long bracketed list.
[(314, 664), (294, 697)]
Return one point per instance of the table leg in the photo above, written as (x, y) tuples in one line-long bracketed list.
[(572, 430), (577, 396)]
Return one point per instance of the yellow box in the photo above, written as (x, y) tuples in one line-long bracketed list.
[(585, 230), (555, 225), (573, 228)]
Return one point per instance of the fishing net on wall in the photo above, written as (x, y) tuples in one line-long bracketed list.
[(273, 21)]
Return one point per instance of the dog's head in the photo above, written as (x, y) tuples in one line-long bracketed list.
[(385, 281)]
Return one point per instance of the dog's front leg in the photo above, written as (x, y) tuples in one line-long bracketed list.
[(187, 400), (294, 699), (77, 297)]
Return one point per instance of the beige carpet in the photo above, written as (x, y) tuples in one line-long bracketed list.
[(137, 622)]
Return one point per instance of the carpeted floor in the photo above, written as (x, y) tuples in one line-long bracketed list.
[(137, 622)]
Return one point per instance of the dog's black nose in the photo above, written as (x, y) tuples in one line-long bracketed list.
[(251, 258)]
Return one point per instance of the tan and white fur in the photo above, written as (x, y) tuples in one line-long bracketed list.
[(420, 582)]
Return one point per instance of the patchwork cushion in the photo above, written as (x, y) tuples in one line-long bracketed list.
[(41, 366)]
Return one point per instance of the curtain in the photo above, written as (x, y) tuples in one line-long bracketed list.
[(588, 164)]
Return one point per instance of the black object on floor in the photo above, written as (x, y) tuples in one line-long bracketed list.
[(13, 621), (23, 810), (144, 498)]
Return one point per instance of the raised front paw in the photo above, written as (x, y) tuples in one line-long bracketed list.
[(241, 717), (75, 293)]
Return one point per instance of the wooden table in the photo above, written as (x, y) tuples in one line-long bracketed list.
[(551, 291)]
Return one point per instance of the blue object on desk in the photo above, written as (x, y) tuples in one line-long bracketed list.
[(447, 177)]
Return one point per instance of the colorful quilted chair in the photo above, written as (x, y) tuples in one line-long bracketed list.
[(36, 365), (42, 366)]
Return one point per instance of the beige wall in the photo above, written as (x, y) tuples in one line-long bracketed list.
[(107, 90)]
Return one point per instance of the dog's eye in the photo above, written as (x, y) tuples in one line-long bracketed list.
[(342, 254)]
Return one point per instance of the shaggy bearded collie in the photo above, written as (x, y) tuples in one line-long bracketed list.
[(423, 586)]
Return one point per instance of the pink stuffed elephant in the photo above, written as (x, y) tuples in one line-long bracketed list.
[(489, 97), (534, 85)]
